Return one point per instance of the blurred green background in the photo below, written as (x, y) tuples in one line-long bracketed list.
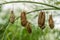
[(16, 31)]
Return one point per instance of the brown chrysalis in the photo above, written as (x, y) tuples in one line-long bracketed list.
[(51, 22), (41, 20), (28, 27), (12, 17), (23, 18)]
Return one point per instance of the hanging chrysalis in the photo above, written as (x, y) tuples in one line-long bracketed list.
[(41, 20), (28, 27), (23, 18), (51, 22), (12, 17)]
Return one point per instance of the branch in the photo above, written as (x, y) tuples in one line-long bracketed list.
[(43, 9), (30, 2)]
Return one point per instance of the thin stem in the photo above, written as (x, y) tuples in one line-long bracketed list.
[(43, 9), (30, 2)]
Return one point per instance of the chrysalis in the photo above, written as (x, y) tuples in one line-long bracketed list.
[(28, 27), (51, 22), (12, 17), (23, 18), (41, 20)]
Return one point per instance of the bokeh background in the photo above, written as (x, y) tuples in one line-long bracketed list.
[(16, 31)]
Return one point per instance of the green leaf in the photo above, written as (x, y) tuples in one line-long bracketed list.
[(57, 3), (0, 8)]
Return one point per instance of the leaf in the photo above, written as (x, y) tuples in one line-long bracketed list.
[(57, 3), (0, 8)]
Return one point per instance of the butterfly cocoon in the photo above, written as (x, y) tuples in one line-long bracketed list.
[(23, 18), (41, 20), (51, 22), (12, 17), (28, 27)]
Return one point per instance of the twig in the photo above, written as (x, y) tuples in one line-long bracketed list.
[(42, 9), (29, 2)]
